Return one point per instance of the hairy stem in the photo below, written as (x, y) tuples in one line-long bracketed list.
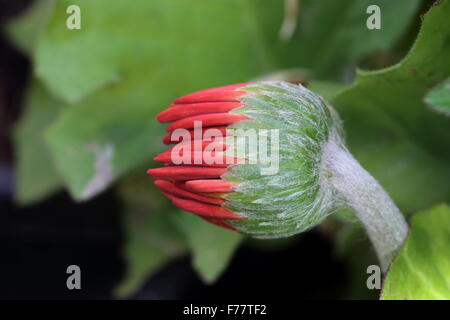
[(385, 224)]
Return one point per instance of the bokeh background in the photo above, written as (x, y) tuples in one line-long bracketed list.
[(77, 132)]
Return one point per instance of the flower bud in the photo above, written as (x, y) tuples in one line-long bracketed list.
[(268, 159), (249, 157)]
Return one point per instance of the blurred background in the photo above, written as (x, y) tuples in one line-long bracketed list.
[(77, 132)]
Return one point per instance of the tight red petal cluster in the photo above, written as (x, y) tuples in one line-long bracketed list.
[(198, 188)]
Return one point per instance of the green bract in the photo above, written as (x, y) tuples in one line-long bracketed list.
[(297, 197)]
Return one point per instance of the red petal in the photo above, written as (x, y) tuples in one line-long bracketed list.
[(180, 111), (168, 138), (171, 188), (212, 185), (225, 93), (186, 172), (197, 158), (207, 120), (219, 195), (203, 209), (218, 144)]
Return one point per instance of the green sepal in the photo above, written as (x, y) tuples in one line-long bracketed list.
[(296, 197)]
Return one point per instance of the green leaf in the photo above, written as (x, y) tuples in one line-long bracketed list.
[(116, 74), (240, 34), (422, 268), (327, 89), (36, 176), (157, 232), (151, 237), (404, 144), (212, 247), (439, 98), (100, 140), (332, 35)]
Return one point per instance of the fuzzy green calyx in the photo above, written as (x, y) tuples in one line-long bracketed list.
[(296, 198)]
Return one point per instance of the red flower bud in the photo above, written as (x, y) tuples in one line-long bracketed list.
[(198, 187), (226, 164)]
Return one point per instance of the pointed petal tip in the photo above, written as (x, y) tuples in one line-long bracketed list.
[(157, 158), (180, 111), (186, 172), (206, 120), (205, 210), (218, 94), (201, 209), (174, 190)]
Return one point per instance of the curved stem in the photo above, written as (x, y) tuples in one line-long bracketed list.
[(385, 224)]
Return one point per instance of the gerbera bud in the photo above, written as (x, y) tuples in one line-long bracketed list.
[(267, 159)]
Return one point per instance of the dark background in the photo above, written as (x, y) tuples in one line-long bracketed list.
[(38, 243)]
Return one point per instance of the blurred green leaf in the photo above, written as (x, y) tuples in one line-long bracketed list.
[(332, 35), (422, 268), (212, 246), (151, 237), (439, 98), (197, 40), (131, 59), (404, 144), (26, 30), (98, 141), (36, 176)]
